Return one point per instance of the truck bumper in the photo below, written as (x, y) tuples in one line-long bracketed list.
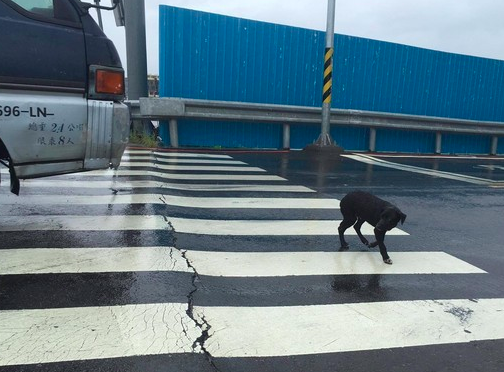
[(106, 143)]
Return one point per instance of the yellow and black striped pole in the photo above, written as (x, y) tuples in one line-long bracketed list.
[(328, 67), (325, 139), (325, 135)]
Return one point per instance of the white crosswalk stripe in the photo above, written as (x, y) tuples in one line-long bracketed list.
[(301, 330), (181, 201), (182, 176), (265, 227), (176, 154), (263, 264), (131, 185), (137, 158), (225, 264), (101, 331), (116, 331), (54, 335), (90, 260), (181, 225), (177, 167)]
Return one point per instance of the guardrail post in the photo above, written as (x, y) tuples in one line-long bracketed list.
[(372, 139), (438, 143), (286, 136), (493, 147), (173, 133)]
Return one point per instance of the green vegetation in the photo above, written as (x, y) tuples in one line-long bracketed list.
[(143, 139)]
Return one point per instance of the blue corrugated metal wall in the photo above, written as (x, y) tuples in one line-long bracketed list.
[(209, 56)]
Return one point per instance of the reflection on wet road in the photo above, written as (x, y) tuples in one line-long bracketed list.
[(209, 261)]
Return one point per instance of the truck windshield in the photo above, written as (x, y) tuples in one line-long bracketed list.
[(41, 7)]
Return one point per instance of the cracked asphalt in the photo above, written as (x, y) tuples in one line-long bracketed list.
[(263, 321)]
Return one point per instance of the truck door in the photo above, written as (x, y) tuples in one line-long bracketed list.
[(43, 72)]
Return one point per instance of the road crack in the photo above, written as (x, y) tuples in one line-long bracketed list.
[(200, 321)]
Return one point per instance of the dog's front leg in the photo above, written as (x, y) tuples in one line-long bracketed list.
[(380, 241)]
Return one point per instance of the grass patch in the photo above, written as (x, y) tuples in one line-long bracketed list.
[(142, 139)]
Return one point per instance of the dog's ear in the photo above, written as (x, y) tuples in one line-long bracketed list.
[(403, 217)]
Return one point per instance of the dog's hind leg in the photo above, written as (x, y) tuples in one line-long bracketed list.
[(345, 224), (357, 227)]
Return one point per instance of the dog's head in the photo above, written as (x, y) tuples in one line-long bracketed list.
[(389, 218)]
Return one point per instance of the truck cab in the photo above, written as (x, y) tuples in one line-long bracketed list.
[(61, 91)]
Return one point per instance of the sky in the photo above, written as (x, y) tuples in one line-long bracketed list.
[(472, 27)]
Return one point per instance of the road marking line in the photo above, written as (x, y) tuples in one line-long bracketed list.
[(180, 201), (177, 154), (180, 176), (57, 335), (83, 223), (453, 176), (266, 227), (181, 225), (196, 168), (129, 185), (491, 167), (127, 158), (458, 157), (23, 261), (265, 264), (302, 330), (90, 260)]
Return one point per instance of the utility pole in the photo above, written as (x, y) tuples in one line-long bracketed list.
[(98, 12), (325, 136), (136, 54), (325, 141)]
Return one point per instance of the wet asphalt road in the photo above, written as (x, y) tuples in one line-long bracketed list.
[(460, 217)]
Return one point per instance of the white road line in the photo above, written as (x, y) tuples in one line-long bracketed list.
[(24, 261), (266, 227), (196, 168), (491, 167), (264, 264), (127, 158), (181, 225), (82, 223), (177, 154), (180, 201), (181, 176), (129, 185), (266, 203), (90, 260), (298, 330), (420, 157), (453, 176), (57, 335)]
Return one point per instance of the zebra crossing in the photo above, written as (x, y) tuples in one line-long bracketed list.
[(196, 320)]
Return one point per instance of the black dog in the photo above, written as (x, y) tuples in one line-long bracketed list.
[(358, 207)]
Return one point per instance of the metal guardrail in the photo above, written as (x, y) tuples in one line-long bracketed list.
[(174, 109)]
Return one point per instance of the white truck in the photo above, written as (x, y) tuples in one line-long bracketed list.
[(61, 91)]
